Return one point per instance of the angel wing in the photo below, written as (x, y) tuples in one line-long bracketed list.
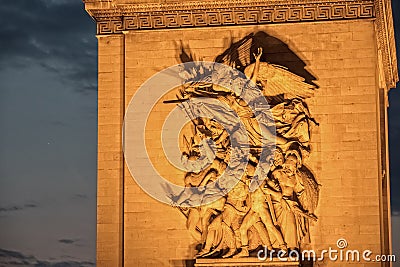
[(277, 80), (310, 195), (238, 55)]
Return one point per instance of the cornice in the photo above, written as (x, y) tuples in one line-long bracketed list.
[(386, 41), (114, 17), (193, 5)]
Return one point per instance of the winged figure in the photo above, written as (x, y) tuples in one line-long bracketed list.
[(274, 79), (278, 213), (277, 80)]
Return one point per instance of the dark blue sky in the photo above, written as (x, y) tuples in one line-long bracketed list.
[(48, 106), (48, 137)]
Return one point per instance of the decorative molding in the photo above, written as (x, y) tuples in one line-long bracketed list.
[(224, 4), (114, 17), (185, 15), (386, 42)]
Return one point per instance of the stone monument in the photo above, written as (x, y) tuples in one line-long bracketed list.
[(283, 148)]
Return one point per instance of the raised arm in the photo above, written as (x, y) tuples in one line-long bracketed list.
[(256, 69)]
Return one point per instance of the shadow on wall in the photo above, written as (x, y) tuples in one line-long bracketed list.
[(183, 263), (240, 54)]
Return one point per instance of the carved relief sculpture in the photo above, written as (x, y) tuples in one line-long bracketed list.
[(245, 179), (274, 199)]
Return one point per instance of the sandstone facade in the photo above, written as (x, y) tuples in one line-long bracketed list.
[(353, 61)]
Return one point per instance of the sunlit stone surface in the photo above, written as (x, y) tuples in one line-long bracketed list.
[(324, 67)]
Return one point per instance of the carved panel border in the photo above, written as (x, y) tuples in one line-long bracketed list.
[(114, 18), (386, 42), (117, 20)]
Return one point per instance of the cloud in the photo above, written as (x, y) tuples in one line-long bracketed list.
[(68, 241), (57, 36), (17, 207), (14, 258)]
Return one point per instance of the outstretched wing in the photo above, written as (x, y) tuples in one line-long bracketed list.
[(238, 54), (277, 80), (310, 195)]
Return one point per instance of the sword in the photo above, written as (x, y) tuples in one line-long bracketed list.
[(271, 209)]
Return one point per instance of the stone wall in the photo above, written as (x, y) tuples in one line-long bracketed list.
[(110, 158), (346, 158)]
